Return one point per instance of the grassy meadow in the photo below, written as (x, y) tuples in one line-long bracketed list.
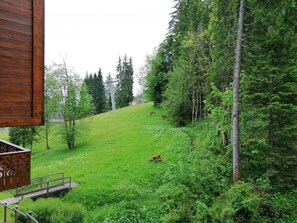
[(111, 161)]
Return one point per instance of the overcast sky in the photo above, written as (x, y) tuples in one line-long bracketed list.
[(94, 33)]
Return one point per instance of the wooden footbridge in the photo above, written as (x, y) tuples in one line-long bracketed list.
[(45, 186)]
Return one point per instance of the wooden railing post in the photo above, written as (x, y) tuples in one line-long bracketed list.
[(22, 192), (5, 212), (41, 183), (15, 214), (47, 188), (62, 177), (69, 183), (29, 216)]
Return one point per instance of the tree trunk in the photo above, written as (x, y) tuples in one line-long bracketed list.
[(46, 135), (193, 106), (235, 110)]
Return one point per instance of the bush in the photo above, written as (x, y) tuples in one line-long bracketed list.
[(53, 210), (280, 207), (238, 204)]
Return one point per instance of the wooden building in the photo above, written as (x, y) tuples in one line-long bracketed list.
[(21, 82)]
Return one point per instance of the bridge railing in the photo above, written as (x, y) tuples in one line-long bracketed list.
[(44, 183), (17, 212), (47, 177)]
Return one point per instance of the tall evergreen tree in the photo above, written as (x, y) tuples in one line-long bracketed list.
[(97, 90), (222, 29), (124, 88), (270, 92)]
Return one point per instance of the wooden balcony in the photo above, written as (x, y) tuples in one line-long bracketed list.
[(14, 166)]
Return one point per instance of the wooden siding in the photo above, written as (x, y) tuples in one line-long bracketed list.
[(21, 62)]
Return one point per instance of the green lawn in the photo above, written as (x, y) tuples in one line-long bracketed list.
[(111, 159)]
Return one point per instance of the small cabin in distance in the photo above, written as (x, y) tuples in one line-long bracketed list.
[(21, 82)]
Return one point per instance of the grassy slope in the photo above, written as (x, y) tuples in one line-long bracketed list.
[(111, 159), (113, 147)]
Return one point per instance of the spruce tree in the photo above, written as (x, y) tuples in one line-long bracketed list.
[(270, 93), (222, 29), (124, 88), (97, 90)]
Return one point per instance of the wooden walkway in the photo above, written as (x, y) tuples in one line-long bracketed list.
[(42, 187)]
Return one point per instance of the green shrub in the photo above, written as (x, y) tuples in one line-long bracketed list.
[(280, 207), (176, 203), (53, 210), (127, 211), (238, 204), (202, 212)]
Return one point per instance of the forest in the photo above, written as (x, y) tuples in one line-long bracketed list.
[(193, 76)]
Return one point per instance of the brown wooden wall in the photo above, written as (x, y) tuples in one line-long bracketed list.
[(21, 62)]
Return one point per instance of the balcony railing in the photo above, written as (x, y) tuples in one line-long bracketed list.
[(14, 166)]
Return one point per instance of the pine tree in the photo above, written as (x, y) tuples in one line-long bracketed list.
[(97, 90), (124, 88), (222, 29), (270, 92)]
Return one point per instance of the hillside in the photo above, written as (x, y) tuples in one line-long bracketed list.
[(118, 182), (111, 160)]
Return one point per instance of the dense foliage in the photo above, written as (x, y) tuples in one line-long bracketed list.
[(24, 136), (66, 100), (200, 49), (203, 37)]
